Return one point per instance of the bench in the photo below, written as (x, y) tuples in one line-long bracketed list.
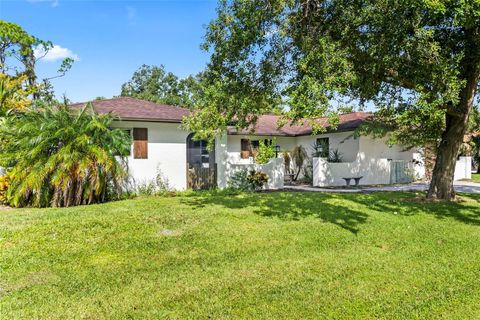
[(357, 180), (290, 177)]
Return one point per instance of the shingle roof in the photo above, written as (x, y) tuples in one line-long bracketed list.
[(267, 125), (127, 108)]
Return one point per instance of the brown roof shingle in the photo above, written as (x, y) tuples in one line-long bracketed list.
[(127, 108), (267, 125)]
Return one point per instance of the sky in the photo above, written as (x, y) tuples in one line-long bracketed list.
[(110, 39)]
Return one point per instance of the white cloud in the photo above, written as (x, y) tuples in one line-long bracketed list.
[(54, 3), (55, 53)]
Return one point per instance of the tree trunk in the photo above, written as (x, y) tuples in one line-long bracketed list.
[(456, 118), (441, 185)]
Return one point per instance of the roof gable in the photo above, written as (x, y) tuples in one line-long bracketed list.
[(127, 108)]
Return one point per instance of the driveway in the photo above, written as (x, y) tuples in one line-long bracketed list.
[(460, 186)]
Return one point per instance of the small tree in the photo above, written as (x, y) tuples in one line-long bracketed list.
[(265, 151), (56, 156)]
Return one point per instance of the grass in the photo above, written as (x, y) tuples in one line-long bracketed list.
[(476, 177), (268, 255)]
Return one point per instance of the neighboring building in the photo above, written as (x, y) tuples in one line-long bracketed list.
[(160, 144)]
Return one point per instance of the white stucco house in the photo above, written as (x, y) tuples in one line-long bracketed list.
[(161, 145)]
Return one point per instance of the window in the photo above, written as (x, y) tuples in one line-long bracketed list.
[(322, 147), (140, 143), (245, 149), (249, 147)]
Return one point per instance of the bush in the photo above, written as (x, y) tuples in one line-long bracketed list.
[(157, 186), (3, 188), (335, 156), (239, 181), (244, 180), (56, 156), (266, 152), (257, 179)]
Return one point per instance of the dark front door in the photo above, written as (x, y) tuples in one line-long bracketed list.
[(201, 167)]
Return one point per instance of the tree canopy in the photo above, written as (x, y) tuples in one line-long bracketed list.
[(417, 62), (154, 84), (18, 60)]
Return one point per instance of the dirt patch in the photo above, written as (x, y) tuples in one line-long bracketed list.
[(170, 233), (29, 280)]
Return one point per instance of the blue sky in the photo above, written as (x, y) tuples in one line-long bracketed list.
[(111, 39)]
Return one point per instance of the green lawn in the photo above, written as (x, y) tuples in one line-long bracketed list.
[(269, 255), (476, 177)]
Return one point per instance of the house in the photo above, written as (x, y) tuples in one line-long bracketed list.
[(161, 146)]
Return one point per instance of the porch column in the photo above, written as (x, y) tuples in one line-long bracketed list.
[(221, 159)]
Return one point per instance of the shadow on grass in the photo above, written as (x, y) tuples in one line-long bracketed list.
[(286, 205), (467, 210), (346, 211)]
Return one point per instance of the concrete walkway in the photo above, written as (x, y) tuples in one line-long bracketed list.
[(460, 186)]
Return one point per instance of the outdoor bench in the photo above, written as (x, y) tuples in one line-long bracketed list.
[(357, 180)]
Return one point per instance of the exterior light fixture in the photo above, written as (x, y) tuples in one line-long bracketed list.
[(277, 150)]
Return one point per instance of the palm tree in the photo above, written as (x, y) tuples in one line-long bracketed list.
[(298, 156), (56, 156)]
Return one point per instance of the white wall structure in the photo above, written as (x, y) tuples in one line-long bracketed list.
[(234, 145), (344, 142), (274, 169), (372, 171), (376, 163), (364, 156), (167, 153), (221, 157), (463, 169)]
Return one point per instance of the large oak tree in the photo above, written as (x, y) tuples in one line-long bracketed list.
[(417, 61)]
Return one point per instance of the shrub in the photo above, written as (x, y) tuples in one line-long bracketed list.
[(335, 156), (257, 179), (239, 181), (159, 185), (265, 152), (244, 180), (3, 188), (56, 156), (320, 149)]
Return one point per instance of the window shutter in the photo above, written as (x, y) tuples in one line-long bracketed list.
[(140, 143), (246, 149)]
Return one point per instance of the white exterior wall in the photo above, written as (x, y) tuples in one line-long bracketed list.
[(234, 146), (379, 149), (372, 171), (227, 156), (463, 169), (221, 157), (274, 169), (345, 142), (167, 151), (372, 163)]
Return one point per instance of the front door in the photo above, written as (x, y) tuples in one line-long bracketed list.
[(201, 167)]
